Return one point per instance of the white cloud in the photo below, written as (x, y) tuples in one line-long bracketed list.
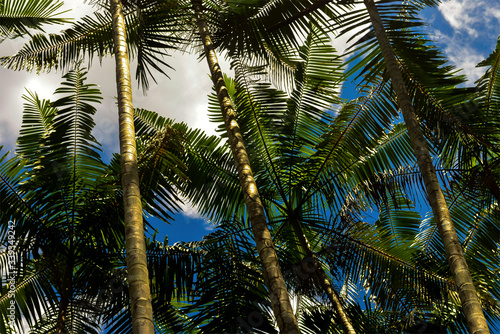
[(6, 134), (465, 58), (190, 211), (471, 16), (463, 14), (495, 12), (473, 33)]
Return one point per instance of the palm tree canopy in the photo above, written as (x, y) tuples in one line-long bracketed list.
[(321, 161), (17, 17), (153, 28), (60, 193)]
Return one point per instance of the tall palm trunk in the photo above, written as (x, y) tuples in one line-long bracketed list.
[(66, 285), (476, 323), (135, 245), (323, 279), (273, 276)]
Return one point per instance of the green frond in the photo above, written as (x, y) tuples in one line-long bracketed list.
[(365, 179), (150, 31), (213, 184), (161, 171), (14, 204), (359, 144), (174, 270), (477, 228), (230, 285), (91, 36), (38, 123), (71, 142), (17, 17), (260, 111), (488, 86), (394, 275), (30, 291)]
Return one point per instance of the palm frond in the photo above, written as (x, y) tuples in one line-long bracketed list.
[(213, 184), (230, 287), (150, 31), (18, 17), (38, 123)]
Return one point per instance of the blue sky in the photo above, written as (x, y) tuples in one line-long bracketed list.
[(467, 31)]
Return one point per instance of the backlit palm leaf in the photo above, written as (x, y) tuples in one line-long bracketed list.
[(18, 16), (151, 30)]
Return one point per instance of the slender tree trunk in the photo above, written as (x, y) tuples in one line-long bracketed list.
[(323, 279), (62, 315), (476, 323), (135, 245), (66, 294), (273, 276)]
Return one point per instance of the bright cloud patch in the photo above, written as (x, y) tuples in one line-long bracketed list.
[(467, 33), (463, 14), (191, 211), (465, 58)]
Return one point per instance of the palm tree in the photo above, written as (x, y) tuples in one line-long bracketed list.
[(136, 250), (69, 204), (72, 41), (452, 246), (270, 263), (115, 28), (138, 276), (57, 279), (296, 17), (312, 86), (361, 159), (454, 253)]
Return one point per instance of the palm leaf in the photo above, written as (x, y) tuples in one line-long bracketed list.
[(150, 31), (17, 17)]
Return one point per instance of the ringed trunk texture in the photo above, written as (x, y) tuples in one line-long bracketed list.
[(323, 279), (273, 276), (135, 245), (476, 322)]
